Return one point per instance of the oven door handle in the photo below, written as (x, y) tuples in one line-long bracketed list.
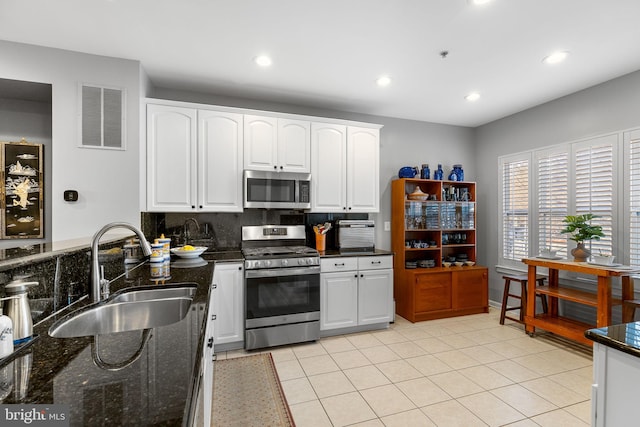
[(276, 272)]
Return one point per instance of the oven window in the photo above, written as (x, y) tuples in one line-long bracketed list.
[(284, 295), (271, 190)]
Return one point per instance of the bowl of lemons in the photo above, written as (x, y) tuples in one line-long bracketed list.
[(188, 251)]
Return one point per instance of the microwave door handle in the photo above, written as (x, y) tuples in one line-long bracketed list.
[(296, 191)]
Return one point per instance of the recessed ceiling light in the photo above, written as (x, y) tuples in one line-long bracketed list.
[(473, 96), (479, 2), (383, 81), (556, 57), (262, 60)]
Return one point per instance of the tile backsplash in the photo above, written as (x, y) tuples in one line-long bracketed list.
[(223, 230)]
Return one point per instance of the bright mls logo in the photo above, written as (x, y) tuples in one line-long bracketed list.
[(34, 415)]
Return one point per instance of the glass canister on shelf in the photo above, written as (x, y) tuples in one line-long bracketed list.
[(425, 172), (438, 173), (453, 176)]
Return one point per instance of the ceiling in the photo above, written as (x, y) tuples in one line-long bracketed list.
[(328, 53)]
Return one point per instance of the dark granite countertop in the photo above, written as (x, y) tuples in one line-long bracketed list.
[(625, 337), (331, 253), (156, 389)]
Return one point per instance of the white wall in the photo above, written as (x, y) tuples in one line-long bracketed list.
[(402, 143), (608, 107), (107, 181)]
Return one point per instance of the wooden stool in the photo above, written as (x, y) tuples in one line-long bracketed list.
[(629, 310), (522, 279)]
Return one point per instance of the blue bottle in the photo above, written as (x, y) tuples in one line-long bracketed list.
[(425, 173), (438, 173), (453, 176)]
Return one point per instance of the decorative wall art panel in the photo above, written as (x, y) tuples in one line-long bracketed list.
[(23, 189)]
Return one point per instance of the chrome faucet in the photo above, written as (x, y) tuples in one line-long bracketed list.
[(187, 233), (97, 279)]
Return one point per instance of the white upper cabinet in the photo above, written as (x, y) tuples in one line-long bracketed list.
[(363, 169), (196, 154), (328, 167), (219, 161), (171, 158), (344, 168), (273, 144), (190, 152)]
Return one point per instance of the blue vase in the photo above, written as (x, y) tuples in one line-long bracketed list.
[(459, 172), (438, 173)]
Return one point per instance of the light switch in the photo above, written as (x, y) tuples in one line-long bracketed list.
[(387, 226)]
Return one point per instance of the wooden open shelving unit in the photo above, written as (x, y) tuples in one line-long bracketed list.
[(444, 226)]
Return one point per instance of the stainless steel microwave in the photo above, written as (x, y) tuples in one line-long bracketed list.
[(277, 190)]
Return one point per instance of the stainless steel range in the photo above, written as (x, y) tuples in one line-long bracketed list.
[(282, 286)]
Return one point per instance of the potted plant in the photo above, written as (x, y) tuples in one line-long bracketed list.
[(580, 229)]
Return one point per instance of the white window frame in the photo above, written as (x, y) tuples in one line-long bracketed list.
[(502, 161), (631, 198), (556, 243)]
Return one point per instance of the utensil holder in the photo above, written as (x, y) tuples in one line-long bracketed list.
[(321, 242)]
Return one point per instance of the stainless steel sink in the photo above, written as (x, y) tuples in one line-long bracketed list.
[(127, 310), (154, 292)]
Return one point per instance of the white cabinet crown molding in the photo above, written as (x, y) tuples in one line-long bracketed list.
[(267, 113)]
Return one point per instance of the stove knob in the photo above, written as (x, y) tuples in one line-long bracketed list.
[(301, 261), (309, 261), (257, 264), (284, 262), (267, 263)]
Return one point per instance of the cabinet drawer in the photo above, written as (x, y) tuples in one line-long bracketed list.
[(375, 262), (432, 292), (328, 265)]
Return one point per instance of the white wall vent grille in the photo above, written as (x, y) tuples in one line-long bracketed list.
[(102, 121)]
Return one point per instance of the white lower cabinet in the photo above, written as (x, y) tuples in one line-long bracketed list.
[(228, 306), (205, 393), (614, 391), (224, 328), (355, 291)]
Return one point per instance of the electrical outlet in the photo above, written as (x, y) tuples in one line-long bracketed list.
[(387, 226)]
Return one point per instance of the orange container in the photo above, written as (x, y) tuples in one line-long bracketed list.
[(321, 242)]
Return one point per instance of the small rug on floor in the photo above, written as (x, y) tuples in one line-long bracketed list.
[(247, 392)]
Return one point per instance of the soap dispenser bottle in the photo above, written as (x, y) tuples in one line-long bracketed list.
[(6, 335)]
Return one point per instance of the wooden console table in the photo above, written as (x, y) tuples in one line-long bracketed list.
[(601, 298)]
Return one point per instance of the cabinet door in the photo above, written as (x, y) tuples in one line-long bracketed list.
[(171, 159), (219, 161), (260, 143), (294, 146), (432, 292), (375, 297), (228, 303), (338, 300), (470, 288), (328, 166), (207, 365), (363, 163)]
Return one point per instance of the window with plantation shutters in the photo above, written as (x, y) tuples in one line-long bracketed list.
[(552, 199), (515, 208), (572, 179), (632, 147), (594, 187), (102, 117)]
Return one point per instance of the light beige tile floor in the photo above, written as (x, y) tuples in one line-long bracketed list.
[(463, 371)]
